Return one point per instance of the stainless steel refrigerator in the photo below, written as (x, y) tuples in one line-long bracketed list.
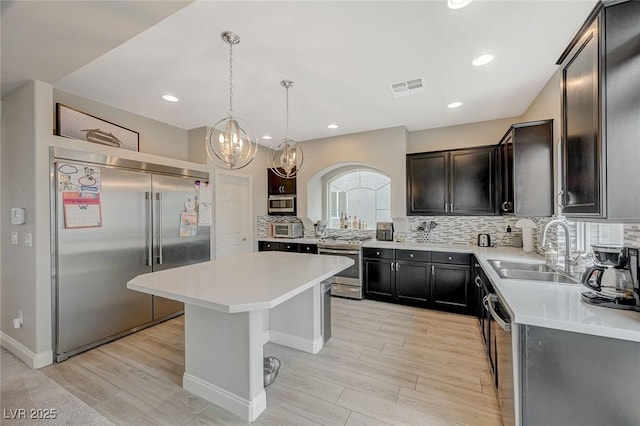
[(139, 212)]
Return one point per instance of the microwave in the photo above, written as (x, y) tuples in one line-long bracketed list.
[(287, 230), (282, 204)]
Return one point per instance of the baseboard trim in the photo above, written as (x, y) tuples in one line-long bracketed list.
[(243, 408), (295, 342), (25, 354)]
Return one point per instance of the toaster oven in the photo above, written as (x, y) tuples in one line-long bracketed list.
[(287, 230)]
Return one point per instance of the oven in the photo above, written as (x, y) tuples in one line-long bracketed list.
[(347, 283)]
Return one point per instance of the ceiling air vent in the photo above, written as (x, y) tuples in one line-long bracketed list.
[(407, 87)]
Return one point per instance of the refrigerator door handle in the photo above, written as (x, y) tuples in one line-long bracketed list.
[(159, 198), (149, 240)]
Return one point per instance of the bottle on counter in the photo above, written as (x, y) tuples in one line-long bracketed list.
[(341, 220), (360, 224), (354, 224), (550, 255)]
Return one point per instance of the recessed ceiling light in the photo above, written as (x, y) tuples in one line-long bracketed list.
[(482, 60), (332, 126), (169, 98), (457, 4), (455, 104), (267, 137)]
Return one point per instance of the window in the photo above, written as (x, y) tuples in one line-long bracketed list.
[(361, 194), (606, 234)]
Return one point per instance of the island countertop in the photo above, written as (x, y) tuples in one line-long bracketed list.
[(247, 282)]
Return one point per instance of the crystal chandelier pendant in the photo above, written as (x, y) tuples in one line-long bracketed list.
[(286, 159), (229, 144)]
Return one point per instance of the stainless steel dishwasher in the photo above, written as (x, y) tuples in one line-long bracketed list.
[(503, 362)]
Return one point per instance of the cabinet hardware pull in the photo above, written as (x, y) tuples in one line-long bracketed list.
[(433, 270), (446, 207), (411, 255), (377, 253), (477, 281), (397, 266), (504, 206), (392, 266), (559, 197), (451, 207), (450, 258)]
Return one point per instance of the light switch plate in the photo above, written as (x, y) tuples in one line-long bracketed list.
[(15, 238), (28, 239)]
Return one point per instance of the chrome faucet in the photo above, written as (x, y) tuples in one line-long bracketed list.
[(568, 263)]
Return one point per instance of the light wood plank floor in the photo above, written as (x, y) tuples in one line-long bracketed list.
[(386, 364)]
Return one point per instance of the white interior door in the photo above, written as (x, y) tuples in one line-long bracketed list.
[(234, 234)]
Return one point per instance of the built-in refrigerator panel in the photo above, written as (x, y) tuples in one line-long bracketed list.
[(174, 195), (95, 263), (140, 208)]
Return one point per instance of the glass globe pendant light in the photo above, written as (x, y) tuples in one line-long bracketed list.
[(287, 158), (229, 144)]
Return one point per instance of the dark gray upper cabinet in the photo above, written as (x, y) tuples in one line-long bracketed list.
[(526, 169), (458, 182), (600, 115)]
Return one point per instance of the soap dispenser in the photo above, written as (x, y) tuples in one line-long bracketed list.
[(550, 255)]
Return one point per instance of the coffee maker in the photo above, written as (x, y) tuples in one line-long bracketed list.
[(614, 279)]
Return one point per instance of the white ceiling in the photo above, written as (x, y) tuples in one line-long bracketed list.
[(342, 56)]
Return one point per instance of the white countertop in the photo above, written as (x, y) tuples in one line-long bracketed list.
[(556, 306), (290, 240), (247, 282)]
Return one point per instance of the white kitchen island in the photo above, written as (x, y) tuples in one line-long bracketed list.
[(233, 306)]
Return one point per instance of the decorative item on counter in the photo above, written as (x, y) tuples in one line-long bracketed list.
[(229, 144), (527, 227)]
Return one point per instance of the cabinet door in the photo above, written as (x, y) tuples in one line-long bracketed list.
[(450, 287), (472, 181), (309, 248), (412, 283), (582, 145), (292, 247), (278, 185), (378, 279), (506, 171), (427, 184), (269, 246)]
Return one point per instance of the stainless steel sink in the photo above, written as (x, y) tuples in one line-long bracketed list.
[(530, 272), (550, 277), (521, 266)]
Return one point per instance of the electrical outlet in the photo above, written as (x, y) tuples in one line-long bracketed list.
[(15, 238), (28, 239)]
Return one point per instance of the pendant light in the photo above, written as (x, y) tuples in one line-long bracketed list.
[(287, 158), (229, 144)]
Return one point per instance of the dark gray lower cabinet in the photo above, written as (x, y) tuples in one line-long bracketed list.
[(450, 287), (412, 283), (418, 281), (379, 279), (291, 247)]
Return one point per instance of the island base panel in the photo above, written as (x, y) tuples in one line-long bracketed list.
[(224, 359), (296, 323)]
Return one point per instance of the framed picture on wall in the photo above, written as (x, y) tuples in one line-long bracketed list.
[(75, 124)]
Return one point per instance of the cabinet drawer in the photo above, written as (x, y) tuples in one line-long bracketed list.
[(290, 247), (269, 246), (309, 248), (449, 257), (415, 255), (378, 253)]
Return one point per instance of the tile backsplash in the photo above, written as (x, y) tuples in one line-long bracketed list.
[(465, 230)]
